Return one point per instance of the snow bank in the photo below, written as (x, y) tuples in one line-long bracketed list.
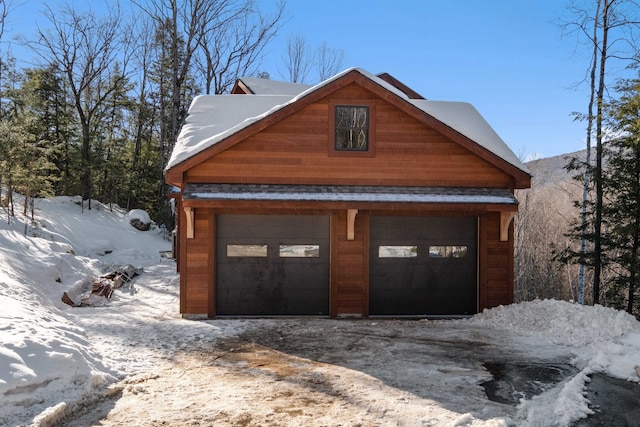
[(564, 404), (604, 339)]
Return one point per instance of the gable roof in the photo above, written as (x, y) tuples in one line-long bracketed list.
[(257, 86), (214, 118), (398, 84)]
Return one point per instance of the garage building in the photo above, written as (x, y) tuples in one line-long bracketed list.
[(353, 197)]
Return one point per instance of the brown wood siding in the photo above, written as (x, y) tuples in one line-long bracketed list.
[(196, 278), (349, 266), (295, 150), (496, 264)]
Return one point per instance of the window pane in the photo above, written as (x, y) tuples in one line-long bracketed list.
[(300, 251), (352, 128), (397, 251), (448, 251), (246, 250)]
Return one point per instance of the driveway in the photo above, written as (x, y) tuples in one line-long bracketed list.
[(323, 372)]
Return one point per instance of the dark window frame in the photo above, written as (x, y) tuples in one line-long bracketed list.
[(371, 134)]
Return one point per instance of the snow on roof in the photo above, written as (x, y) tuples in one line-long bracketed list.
[(273, 87), (212, 118), (465, 119)]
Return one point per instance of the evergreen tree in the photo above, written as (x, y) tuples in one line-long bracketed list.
[(621, 210), (43, 95)]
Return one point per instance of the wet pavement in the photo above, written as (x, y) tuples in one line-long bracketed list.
[(514, 381), (620, 398)]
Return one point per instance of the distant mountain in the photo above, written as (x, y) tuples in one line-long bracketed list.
[(551, 170), (553, 187)]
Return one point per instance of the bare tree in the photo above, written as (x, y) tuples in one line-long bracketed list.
[(299, 59), (328, 61), (182, 21), (85, 48), (4, 12), (232, 42)]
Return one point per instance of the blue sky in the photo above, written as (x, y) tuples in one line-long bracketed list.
[(506, 57)]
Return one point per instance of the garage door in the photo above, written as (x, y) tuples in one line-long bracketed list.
[(423, 266), (272, 265)]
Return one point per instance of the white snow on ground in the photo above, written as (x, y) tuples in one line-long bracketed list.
[(56, 359)]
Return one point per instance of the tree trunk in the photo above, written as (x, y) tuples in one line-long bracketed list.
[(597, 228)]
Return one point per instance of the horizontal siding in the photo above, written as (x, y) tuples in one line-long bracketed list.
[(496, 288), (198, 274), (349, 272), (296, 149)]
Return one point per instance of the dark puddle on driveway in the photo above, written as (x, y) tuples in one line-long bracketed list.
[(616, 403), (514, 381)]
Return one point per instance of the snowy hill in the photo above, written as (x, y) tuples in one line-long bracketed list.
[(42, 352), (57, 360)]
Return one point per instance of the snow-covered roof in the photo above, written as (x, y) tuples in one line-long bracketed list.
[(212, 118), (348, 193), (273, 87), (465, 119)]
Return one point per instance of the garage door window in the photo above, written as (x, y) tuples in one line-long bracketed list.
[(397, 251), (299, 251), (255, 251), (448, 251)]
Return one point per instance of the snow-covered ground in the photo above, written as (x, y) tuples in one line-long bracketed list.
[(134, 355)]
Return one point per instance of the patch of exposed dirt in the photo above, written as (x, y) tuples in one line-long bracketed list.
[(313, 373)]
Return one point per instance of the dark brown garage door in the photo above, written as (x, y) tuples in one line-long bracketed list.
[(423, 266), (272, 265)]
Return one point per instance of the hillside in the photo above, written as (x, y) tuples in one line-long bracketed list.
[(551, 170)]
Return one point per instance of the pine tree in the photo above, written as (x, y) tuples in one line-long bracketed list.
[(621, 210)]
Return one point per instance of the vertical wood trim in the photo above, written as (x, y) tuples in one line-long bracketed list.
[(366, 239), (211, 304), (333, 264), (182, 261), (351, 220), (482, 261), (177, 230)]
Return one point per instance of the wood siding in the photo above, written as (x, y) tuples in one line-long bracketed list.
[(349, 266), (496, 264), (196, 275), (296, 150)]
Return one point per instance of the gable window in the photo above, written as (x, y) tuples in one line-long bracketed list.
[(351, 128)]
